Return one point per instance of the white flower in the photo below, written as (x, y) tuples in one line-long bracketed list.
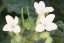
[(41, 8), (46, 23), (11, 24)]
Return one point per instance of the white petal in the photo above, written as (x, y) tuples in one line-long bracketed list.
[(16, 20), (16, 29), (51, 26), (38, 12), (41, 4), (7, 27), (49, 18), (41, 7), (42, 19), (9, 19), (36, 6), (39, 28), (48, 9)]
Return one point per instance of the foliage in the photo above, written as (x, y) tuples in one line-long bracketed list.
[(16, 5)]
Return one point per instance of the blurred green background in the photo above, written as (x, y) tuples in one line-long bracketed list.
[(13, 8)]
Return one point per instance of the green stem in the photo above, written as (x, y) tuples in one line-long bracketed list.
[(38, 20), (22, 17), (28, 12)]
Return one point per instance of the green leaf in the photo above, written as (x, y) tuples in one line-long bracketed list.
[(29, 23), (16, 5), (36, 37), (56, 35), (18, 38), (60, 24), (26, 34), (44, 35), (57, 40), (48, 40)]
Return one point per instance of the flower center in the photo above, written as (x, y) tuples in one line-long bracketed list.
[(13, 26), (46, 13), (44, 25)]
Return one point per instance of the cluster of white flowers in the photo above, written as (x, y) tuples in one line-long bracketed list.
[(45, 22), (11, 24)]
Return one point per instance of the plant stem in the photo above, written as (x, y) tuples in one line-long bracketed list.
[(28, 12), (22, 17)]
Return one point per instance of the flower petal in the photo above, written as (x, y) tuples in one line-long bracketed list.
[(9, 19), (39, 28), (49, 18), (41, 4), (39, 12), (16, 29), (16, 20), (42, 19), (7, 27), (48, 9), (51, 26), (36, 6)]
